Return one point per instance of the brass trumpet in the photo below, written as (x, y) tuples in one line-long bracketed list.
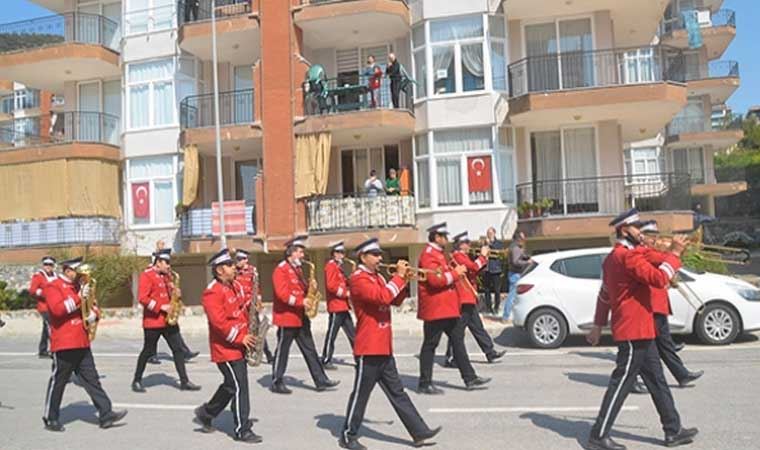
[(412, 273), (89, 300), (491, 252), (708, 252)]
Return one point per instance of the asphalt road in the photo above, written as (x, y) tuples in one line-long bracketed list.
[(537, 400)]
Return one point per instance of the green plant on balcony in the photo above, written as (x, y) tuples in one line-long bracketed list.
[(525, 210), (544, 205)]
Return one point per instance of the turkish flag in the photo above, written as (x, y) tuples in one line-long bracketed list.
[(479, 173), (141, 200)]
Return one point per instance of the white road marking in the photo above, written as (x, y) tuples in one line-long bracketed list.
[(524, 409), (155, 406)]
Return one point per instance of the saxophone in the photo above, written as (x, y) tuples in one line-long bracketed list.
[(313, 295), (175, 303), (89, 300), (257, 326)]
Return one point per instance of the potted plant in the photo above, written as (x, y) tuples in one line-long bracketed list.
[(525, 210), (546, 205)]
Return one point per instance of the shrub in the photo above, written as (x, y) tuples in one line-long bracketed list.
[(12, 300)]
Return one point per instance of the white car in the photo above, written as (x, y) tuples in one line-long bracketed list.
[(557, 297)]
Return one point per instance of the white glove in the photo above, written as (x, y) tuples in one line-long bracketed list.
[(92, 318)]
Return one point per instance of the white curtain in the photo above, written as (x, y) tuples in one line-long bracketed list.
[(456, 28), (580, 162), (154, 70), (498, 66), (139, 111), (421, 144), (151, 167), (472, 67), (443, 69), (163, 206), (547, 154), (162, 103), (420, 73), (577, 60), (462, 140), (423, 182), (449, 176), (543, 71)]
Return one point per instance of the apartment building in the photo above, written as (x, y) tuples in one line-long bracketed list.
[(577, 109)]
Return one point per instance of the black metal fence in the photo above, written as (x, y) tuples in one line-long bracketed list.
[(235, 108), (356, 93), (597, 68), (359, 211), (609, 194), (68, 27), (196, 11)]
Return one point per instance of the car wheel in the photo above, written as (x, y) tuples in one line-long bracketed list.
[(718, 324), (547, 328)]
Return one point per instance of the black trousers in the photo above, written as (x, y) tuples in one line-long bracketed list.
[(172, 337), (335, 323), (667, 348), (191, 10), (371, 370), (305, 341), (433, 330), (45, 336), (633, 358), (492, 285), (234, 390), (80, 362), (395, 89), (471, 320)]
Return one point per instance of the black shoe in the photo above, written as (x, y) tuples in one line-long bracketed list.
[(203, 419), (270, 359), (327, 385), (111, 418), (138, 387), (603, 444), (329, 366), (496, 355), (680, 346), (639, 387), (419, 441), (429, 389), (685, 436), (476, 382), (154, 360), (249, 437), (280, 388), (191, 355), (45, 354), (450, 364), (691, 376), (53, 425), (189, 386), (351, 444)]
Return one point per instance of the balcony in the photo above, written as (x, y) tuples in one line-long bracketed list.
[(49, 51), (236, 118), (717, 28), (197, 228), (720, 80), (332, 23), (584, 206), (359, 212), (697, 130), (60, 232), (638, 87), (237, 27), (348, 107)]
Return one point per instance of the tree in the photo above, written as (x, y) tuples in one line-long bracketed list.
[(742, 163)]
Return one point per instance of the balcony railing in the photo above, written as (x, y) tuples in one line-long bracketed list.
[(716, 69), (59, 28), (316, 2), (353, 93), (597, 68), (72, 126), (198, 222), (688, 124), (235, 108), (610, 194), (66, 231), (195, 11), (345, 212), (705, 19)]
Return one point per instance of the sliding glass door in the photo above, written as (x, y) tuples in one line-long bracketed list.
[(560, 55)]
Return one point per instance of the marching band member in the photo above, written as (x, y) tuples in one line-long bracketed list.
[(336, 287), (225, 304), (468, 297), (372, 297), (247, 276), (40, 278), (439, 309), (625, 292), (154, 294), (70, 346), (290, 289)]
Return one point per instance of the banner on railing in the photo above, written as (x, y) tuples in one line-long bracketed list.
[(479, 173), (234, 217)]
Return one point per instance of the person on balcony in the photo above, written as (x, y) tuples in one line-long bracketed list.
[(191, 10), (518, 262), (392, 183), (393, 71), (374, 73), (373, 186)]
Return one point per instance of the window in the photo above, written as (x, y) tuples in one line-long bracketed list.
[(458, 64), (640, 162), (497, 32), (357, 163), (150, 94), (148, 16), (547, 71), (505, 165), (691, 161), (422, 170), (449, 175), (246, 180), (587, 267), (152, 190)]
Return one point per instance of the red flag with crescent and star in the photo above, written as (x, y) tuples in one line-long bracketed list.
[(479, 173), (141, 200)]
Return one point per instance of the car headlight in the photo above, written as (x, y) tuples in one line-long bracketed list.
[(747, 293)]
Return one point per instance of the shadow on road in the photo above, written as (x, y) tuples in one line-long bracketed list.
[(578, 429), (594, 379), (266, 381), (83, 411), (334, 424), (157, 379)]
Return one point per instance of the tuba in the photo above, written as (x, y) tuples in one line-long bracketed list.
[(89, 301), (175, 303), (257, 326), (313, 296)]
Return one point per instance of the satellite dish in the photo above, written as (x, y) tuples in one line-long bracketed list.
[(509, 224)]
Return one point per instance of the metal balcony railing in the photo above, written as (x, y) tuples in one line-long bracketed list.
[(597, 68), (610, 194), (197, 222), (705, 19), (316, 2), (353, 93), (196, 11), (72, 126), (692, 123), (354, 211), (68, 27), (716, 69), (65, 231), (235, 108)]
